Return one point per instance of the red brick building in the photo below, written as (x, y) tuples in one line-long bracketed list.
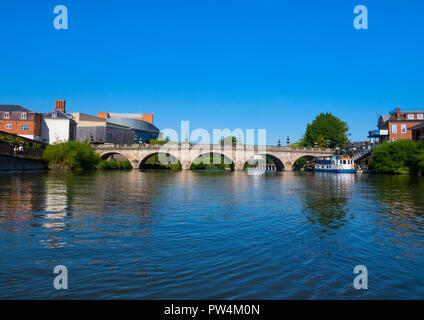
[(20, 121), (417, 132), (397, 125)]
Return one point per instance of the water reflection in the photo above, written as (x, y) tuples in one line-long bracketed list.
[(142, 234), (326, 203)]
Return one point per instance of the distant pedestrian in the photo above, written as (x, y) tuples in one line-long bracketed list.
[(15, 150), (21, 150)]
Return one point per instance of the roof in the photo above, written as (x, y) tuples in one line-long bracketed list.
[(134, 124), (59, 115), (385, 118), (125, 115), (13, 107), (417, 127)]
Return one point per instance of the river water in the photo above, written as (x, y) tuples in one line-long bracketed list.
[(216, 235)]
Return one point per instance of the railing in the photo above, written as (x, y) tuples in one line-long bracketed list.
[(8, 142), (362, 153)]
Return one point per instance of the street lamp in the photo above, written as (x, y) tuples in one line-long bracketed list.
[(288, 140), (279, 143)]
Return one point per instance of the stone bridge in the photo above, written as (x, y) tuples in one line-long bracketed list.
[(237, 156)]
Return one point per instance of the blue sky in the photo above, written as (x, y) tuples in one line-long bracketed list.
[(219, 64)]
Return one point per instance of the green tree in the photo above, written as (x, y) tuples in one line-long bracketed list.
[(330, 128), (228, 141), (398, 157), (71, 155), (321, 141)]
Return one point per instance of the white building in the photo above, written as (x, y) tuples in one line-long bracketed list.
[(57, 126)]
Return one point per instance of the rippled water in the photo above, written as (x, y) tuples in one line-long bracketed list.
[(218, 235)]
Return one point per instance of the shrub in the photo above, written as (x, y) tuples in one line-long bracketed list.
[(398, 157), (113, 164), (71, 155)]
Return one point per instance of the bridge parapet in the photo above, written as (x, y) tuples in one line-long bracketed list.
[(211, 147)]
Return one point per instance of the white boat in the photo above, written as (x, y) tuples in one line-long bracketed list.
[(337, 164)]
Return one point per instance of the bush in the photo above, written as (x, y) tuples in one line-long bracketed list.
[(71, 155), (113, 164), (398, 157)]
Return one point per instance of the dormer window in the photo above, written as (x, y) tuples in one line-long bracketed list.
[(410, 116), (23, 115), (6, 115), (420, 116), (54, 115)]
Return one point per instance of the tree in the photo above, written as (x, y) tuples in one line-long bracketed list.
[(228, 141), (321, 141), (326, 127), (398, 157)]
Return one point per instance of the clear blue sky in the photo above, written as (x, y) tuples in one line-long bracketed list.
[(219, 64)]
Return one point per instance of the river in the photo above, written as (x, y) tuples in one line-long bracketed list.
[(210, 235)]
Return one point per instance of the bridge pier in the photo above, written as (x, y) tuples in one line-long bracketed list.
[(185, 165), (238, 166), (288, 166)]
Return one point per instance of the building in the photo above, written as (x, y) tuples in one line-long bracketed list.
[(57, 126), (397, 125), (141, 124), (417, 132), (20, 121), (97, 130)]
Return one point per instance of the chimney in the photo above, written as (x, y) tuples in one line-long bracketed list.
[(60, 105), (103, 115), (148, 117), (398, 113)]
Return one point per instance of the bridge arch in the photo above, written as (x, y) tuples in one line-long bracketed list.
[(210, 157), (279, 164), (114, 155), (164, 161), (298, 163)]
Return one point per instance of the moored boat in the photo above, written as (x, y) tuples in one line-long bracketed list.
[(336, 163)]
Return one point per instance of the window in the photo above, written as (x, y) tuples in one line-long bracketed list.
[(8, 126), (23, 115), (410, 116), (24, 127), (403, 128), (394, 128), (420, 116), (54, 115), (6, 115)]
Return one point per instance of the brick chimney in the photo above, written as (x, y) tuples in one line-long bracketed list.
[(103, 115), (60, 105), (148, 117), (398, 113)]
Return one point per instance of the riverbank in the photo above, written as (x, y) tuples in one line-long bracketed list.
[(10, 163)]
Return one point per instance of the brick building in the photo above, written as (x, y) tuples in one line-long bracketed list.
[(417, 132), (397, 125), (20, 121)]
